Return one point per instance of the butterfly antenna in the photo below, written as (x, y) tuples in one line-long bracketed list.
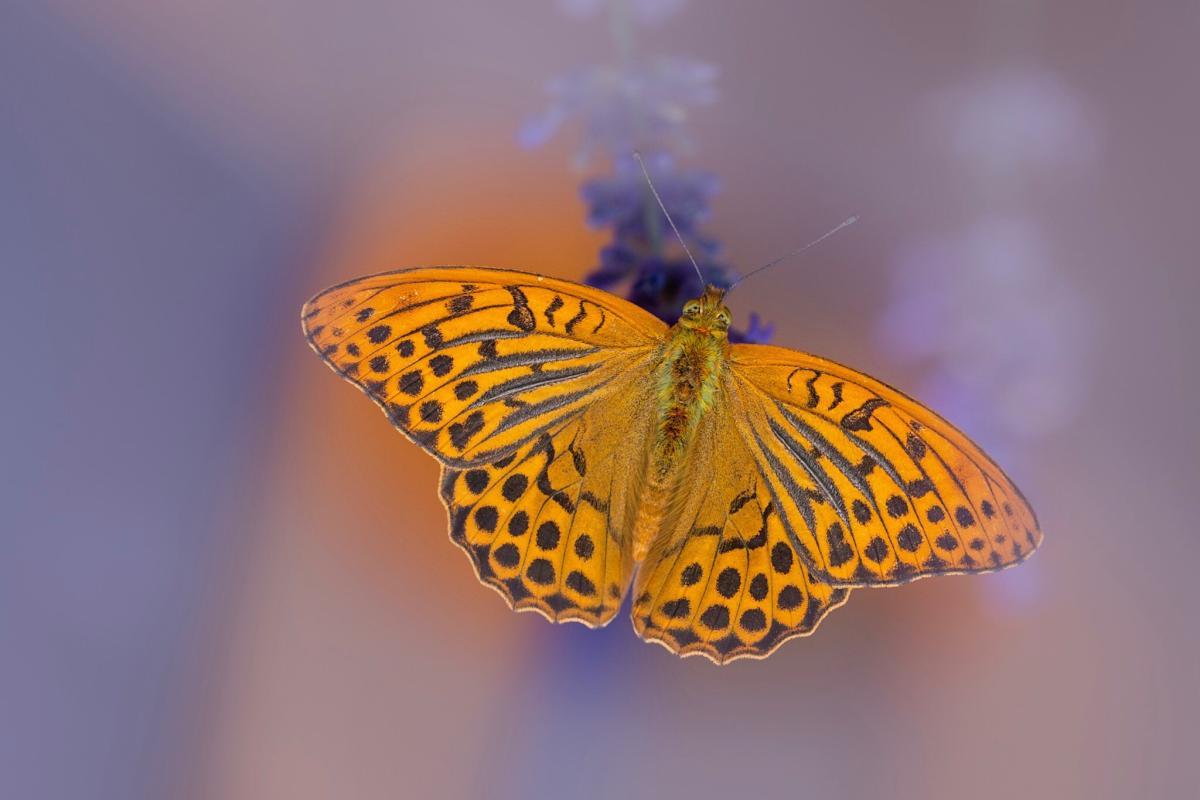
[(845, 224), (678, 235)]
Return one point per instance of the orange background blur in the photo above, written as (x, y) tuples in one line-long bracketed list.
[(223, 575)]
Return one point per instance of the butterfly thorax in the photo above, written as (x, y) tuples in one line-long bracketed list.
[(687, 381)]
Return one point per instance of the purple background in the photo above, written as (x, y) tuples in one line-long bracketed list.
[(221, 575)]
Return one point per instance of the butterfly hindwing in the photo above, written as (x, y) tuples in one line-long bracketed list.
[(546, 526), (474, 363), (874, 488), (725, 581)]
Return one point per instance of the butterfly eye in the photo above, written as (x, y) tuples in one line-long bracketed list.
[(691, 309)]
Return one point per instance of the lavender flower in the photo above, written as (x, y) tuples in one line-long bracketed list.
[(647, 12), (642, 106), (625, 108), (620, 201)]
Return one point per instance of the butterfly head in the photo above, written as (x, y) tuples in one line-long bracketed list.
[(707, 313)]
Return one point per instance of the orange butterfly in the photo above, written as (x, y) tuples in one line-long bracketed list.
[(742, 489)]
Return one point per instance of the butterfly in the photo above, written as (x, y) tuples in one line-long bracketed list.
[(586, 447)]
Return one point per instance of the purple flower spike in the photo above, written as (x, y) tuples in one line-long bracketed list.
[(641, 106), (758, 332), (623, 109), (619, 201), (647, 12)]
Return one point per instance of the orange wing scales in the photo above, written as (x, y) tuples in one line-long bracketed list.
[(473, 368), (728, 584), (874, 488), (545, 526), (725, 595), (500, 375)]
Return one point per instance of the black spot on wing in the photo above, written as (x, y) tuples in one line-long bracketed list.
[(840, 550), (790, 597), (541, 572), (580, 583), (461, 433), (781, 557), (555, 305), (584, 546), (716, 617), (476, 479), (753, 620), (507, 555), (877, 550), (575, 320), (410, 383), (728, 582), (433, 336), (813, 397), (837, 395), (860, 418), (677, 608), (514, 486), (578, 460), (741, 500), (594, 501), (521, 316), (431, 411)]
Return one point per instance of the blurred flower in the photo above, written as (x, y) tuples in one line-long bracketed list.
[(625, 108), (662, 287), (759, 332), (635, 107), (1004, 333), (648, 12), (620, 201), (1004, 330), (1015, 123)]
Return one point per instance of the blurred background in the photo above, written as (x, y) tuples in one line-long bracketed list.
[(214, 579)]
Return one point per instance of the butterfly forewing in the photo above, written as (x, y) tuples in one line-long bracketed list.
[(874, 488), (473, 363)]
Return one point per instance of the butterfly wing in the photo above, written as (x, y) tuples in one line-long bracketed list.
[(528, 390), (874, 488), (724, 579), (474, 364), (547, 525)]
